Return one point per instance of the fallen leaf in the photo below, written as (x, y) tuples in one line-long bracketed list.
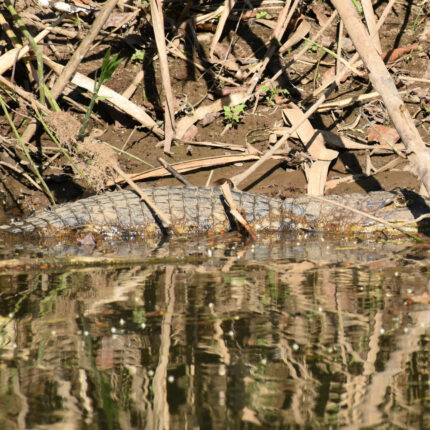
[(423, 298), (382, 134), (314, 143), (320, 14), (250, 416), (191, 133), (118, 19), (395, 54), (209, 118)]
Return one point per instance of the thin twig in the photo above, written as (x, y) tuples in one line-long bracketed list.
[(279, 31), (79, 54), (21, 172), (174, 172), (356, 56), (164, 218), (372, 217), (25, 150), (369, 14)]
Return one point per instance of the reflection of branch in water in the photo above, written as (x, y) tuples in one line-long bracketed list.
[(161, 407), (344, 371), (305, 386), (380, 383)]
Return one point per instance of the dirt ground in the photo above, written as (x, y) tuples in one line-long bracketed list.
[(407, 24)]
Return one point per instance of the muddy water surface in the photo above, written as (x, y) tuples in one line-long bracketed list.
[(216, 335)]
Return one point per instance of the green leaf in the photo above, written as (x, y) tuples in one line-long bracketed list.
[(261, 14), (139, 55)]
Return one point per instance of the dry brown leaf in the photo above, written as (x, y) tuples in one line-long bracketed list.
[(397, 53), (299, 34), (267, 23), (316, 175), (423, 298), (313, 141), (118, 19), (329, 75), (320, 13), (209, 118), (250, 416), (191, 133), (382, 134), (188, 166)]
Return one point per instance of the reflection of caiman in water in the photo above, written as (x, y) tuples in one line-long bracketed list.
[(199, 209)]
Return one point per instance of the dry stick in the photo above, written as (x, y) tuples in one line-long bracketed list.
[(28, 97), (235, 211), (160, 40), (8, 59), (17, 44), (21, 172), (305, 48), (74, 62), (79, 54), (230, 146), (208, 180), (120, 102), (339, 47), (174, 172), (371, 23), (129, 91), (228, 6), (372, 217), (342, 103), (279, 31), (355, 57), (412, 79), (383, 83), (188, 166), (165, 219), (40, 76)]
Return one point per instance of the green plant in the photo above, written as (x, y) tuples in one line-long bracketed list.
[(138, 56), (271, 93), (233, 115), (358, 6), (109, 66), (261, 14), (314, 46), (416, 20)]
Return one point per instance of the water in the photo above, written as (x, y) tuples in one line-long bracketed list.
[(216, 334)]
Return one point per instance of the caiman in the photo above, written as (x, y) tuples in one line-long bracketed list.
[(203, 210)]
